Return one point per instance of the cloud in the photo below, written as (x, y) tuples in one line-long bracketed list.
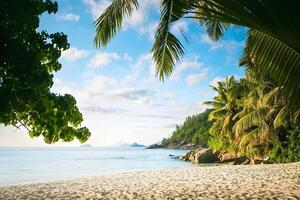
[(96, 7), (149, 29), (69, 17), (157, 116), (195, 78), (139, 17), (204, 38), (230, 46), (141, 96), (101, 59), (138, 21), (100, 83), (172, 125), (102, 110), (179, 26), (215, 81), (127, 56), (73, 54), (188, 110), (143, 61), (184, 66)]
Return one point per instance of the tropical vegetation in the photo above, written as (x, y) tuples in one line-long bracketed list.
[(28, 60), (272, 38), (194, 130), (257, 115), (252, 117)]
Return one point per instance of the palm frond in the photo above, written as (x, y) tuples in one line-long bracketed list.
[(282, 118), (167, 49), (252, 119), (110, 21), (276, 59)]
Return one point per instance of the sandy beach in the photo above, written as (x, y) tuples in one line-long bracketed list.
[(280, 181)]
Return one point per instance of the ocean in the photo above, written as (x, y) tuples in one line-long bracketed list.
[(31, 165)]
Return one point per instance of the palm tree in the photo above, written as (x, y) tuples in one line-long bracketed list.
[(273, 32), (226, 104), (254, 130)]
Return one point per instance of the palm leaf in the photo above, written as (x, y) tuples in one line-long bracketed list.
[(167, 49), (110, 21), (282, 118), (252, 119), (276, 59)]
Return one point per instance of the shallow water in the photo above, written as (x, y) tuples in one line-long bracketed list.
[(28, 165)]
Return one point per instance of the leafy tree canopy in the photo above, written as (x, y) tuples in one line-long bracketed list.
[(28, 60), (195, 129)]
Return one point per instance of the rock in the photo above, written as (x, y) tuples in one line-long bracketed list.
[(232, 158), (200, 156), (241, 161), (187, 156), (226, 156), (204, 156), (260, 160), (173, 156)]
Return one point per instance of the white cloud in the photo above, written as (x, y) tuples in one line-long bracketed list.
[(138, 21), (143, 61), (230, 46), (139, 17), (179, 26), (127, 56), (100, 83), (204, 38), (141, 96), (195, 78), (183, 66), (69, 17), (102, 58), (149, 29), (73, 54), (96, 7), (217, 79)]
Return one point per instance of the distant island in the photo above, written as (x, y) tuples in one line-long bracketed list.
[(132, 145), (85, 145), (136, 145)]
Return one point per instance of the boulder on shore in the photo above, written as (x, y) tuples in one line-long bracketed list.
[(206, 155), (201, 155)]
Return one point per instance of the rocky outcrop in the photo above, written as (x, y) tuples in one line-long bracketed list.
[(200, 155)]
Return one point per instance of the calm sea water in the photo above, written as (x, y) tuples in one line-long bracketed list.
[(28, 165)]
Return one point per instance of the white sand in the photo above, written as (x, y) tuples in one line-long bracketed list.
[(213, 182)]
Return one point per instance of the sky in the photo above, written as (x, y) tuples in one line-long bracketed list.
[(116, 89)]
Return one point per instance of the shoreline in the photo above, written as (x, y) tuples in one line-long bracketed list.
[(211, 182)]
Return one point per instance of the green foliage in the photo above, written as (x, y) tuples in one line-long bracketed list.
[(252, 117), (28, 60), (111, 20), (195, 129), (272, 42), (249, 116), (288, 148)]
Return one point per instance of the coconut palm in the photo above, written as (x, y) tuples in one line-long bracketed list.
[(272, 40), (254, 130), (225, 106)]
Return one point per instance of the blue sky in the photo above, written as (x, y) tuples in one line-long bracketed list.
[(116, 88)]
